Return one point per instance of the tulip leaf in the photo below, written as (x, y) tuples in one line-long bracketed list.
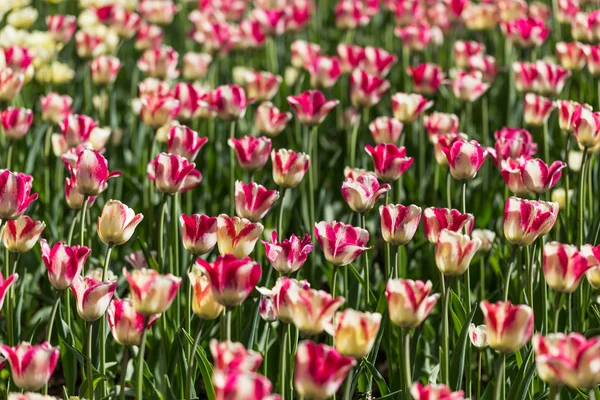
[(523, 379), (34, 151), (457, 365), (392, 395), (250, 331), (206, 368), (379, 380), (360, 279)]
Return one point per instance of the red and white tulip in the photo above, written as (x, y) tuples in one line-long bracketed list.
[(289, 167), (355, 332), (151, 292), (198, 233), (362, 193), (253, 201), (437, 219), (341, 243), (21, 234), (409, 302), (92, 297), (117, 223), (126, 324), (311, 107), (172, 174), (252, 152), (31, 365), (563, 266), (237, 235), (399, 223)]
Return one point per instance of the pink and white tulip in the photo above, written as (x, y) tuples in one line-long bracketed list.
[(151, 292), (5, 285), (289, 255), (302, 52), (64, 263), (408, 107), (586, 126), (568, 110), (117, 223), (537, 109), (513, 176), (409, 302), (198, 233), (526, 220), (438, 123), (237, 235), (465, 49), (378, 61), (105, 69), (426, 77), (390, 161), (16, 122), (233, 356), (172, 174), (366, 90), (563, 266), (262, 86), (399, 223), (454, 252), (92, 297), (341, 243), (509, 327), (469, 86), (11, 82), (55, 107), (21, 234), (126, 324), (512, 143), (195, 65), (355, 332), (386, 130), (312, 310), (253, 201), (160, 62), (242, 385), (311, 107), (351, 57), (465, 158), (61, 27), (362, 193), (252, 152), (15, 197), (551, 78), (185, 142), (572, 56), (437, 219), (269, 120), (539, 177), (204, 304), (158, 110), (324, 71), (435, 391), (478, 336), (526, 32), (31, 365), (289, 167)]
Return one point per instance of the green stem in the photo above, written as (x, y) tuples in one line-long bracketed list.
[(509, 274), (366, 267), (554, 393), (192, 365), (103, 332), (348, 386), (311, 181), (354, 143), (529, 272), (140, 367), (407, 373), (282, 360), (9, 152), (124, 361), (500, 381), (479, 364), (482, 277), (8, 302), (449, 189), (581, 198), (557, 297), (280, 219), (228, 313), (90, 372), (231, 171), (72, 229), (334, 281), (445, 330), (53, 316), (546, 143), (161, 233), (82, 225), (592, 394), (174, 245)]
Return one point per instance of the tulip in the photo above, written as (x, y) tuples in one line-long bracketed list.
[(158, 110), (426, 77), (366, 90), (478, 336), (284, 294), (526, 220), (311, 107), (105, 69), (237, 235), (409, 302), (437, 219), (386, 130), (75, 199), (324, 71), (61, 27), (55, 107), (148, 37), (444, 141), (513, 176), (511, 10), (486, 65), (438, 123), (63, 262), (241, 385), (123, 21), (289, 167), (266, 309), (469, 86), (572, 56), (415, 36), (31, 365), (567, 10), (126, 324), (362, 193), (298, 16), (539, 177), (526, 76), (231, 279), (567, 359), (302, 52), (91, 173), (526, 32), (269, 120), (355, 332), (262, 86), (253, 201), (465, 158), (399, 223), (390, 161), (289, 255), (117, 223), (408, 107), (204, 304), (454, 252), (16, 122), (592, 54), (195, 65), (272, 21), (351, 57), (233, 356), (138, 260), (160, 62), (551, 78), (14, 194), (378, 61), (92, 297), (159, 12), (480, 16), (567, 111), (151, 292), (587, 128), (230, 102), (592, 254), (341, 243), (563, 266), (463, 50), (198, 233), (319, 370), (512, 143), (21, 234), (29, 396), (11, 82), (537, 109), (172, 174), (5, 285), (509, 327), (185, 142), (350, 14), (252, 153), (433, 391)]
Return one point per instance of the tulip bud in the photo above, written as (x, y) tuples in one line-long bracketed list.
[(433, 391), (563, 266), (526, 220), (509, 327), (233, 356), (204, 304), (198, 233), (537, 109), (21, 234), (587, 128), (567, 359), (409, 302), (63, 262), (324, 71), (16, 122), (465, 159), (91, 173), (31, 365), (14, 194), (117, 223), (437, 219), (386, 130), (513, 176), (172, 174), (571, 55), (426, 77), (252, 153), (319, 383), (486, 237), (362, 193), (478, 336), (92, 297), (289, 167), (312, 310), (310, 107), (355, 332), (289, 255), (151, 292), (149, 36), (526, 32), (551, 78), (351, 14), (185, 142), (567, 111), (160, 62), (126, 324), (539, 177), (408, 107), (454, 252), (5, 284), (341, 243), (416, 36), (231, 279), (463, 50), (61, 27), (253, 201), (390, 161), (399, 223), (269, 121), (512, 143), (230, 102), (236, 235), (469, 86)]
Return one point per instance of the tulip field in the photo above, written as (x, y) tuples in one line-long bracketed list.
[(299, 199)]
